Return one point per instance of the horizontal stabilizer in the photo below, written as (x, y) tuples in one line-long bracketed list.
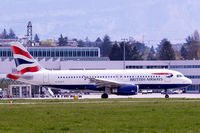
[(16, 76)]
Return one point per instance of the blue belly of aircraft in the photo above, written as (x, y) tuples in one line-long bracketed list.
[(141, 86)]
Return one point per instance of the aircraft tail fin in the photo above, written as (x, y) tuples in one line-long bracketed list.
[(24, 61)]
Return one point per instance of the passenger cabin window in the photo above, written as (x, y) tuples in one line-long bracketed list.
[(178, 76)]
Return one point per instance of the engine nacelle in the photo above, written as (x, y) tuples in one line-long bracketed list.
[(126, 90)]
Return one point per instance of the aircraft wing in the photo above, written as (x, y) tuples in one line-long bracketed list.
[(106, 83)]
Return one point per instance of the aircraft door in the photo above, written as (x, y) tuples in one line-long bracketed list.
[(118, 77), (45, 77), (167, 79)]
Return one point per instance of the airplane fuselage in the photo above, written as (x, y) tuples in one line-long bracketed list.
[(80, 79), (120, 82)]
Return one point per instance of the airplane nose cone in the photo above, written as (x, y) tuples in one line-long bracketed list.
[(189, 81)]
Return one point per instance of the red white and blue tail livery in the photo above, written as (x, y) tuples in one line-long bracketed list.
[(120, 82), (25, 63)]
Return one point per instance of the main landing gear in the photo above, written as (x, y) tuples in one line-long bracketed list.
[(106, 92), (166, 94), (104, 96)]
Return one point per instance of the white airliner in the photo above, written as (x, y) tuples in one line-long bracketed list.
[(120, 82)]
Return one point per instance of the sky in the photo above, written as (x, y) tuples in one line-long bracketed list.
[(149, 20)]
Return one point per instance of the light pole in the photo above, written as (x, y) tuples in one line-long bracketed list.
[(124, 41)]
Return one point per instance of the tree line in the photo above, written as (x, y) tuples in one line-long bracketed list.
[(8, 35), (11, 35), (135, 50)]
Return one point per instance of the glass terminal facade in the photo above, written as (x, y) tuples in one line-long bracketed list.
[(49, 52)]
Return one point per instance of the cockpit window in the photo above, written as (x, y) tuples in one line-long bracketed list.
[(178, 76)]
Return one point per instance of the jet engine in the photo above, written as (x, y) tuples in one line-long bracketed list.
[(126, 90)]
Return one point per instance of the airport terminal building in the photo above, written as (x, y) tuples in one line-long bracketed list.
[(88, 58)]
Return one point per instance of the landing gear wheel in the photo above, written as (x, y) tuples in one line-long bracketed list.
[(104, 95), (166, 96)]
